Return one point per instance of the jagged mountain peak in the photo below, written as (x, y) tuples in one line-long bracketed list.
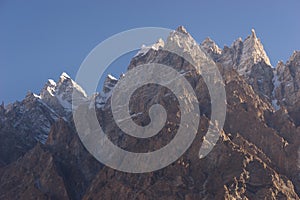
[(51, 82), (253, 34), (156, 46), (64, 75), (295, 58), (58, 95), (210, 46), (182, 29), (66, 84), (181, 40), (260, 149), (180, 32), (109, 83), (48, 89), (207, 40), (238, 42), (254, 50), (177, 38)]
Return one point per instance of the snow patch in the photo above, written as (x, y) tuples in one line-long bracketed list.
[(112, 77), (64, 75), (144, 49), (36, 96), (52, 82)]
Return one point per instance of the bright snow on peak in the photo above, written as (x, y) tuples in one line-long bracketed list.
[(51, 82), (156, 46), (111, 77), (64, 75), (253, 34)]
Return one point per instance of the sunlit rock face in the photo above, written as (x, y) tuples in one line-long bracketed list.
[(256, 157)]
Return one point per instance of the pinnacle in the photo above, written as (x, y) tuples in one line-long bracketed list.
[(181, 29), (253, 34), (65, 75), (208, 40)]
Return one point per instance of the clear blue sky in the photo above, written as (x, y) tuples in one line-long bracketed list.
[(41, 39)]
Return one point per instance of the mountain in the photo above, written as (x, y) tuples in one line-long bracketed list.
[(256, 157), (286, 89)]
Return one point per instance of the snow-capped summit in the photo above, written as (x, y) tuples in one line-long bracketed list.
[(66, 86), (58, 95), (253, 34), (64, 75)]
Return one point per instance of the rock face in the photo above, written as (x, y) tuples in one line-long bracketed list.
[(287, 91), (26, 122), (248, 58), (256, 157), (35, 176)]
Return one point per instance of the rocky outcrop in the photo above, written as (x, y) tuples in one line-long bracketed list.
[(248, 58), (255, 157), (76, 165), (35, 176), (287, 91), (253, 160), (22, 125)]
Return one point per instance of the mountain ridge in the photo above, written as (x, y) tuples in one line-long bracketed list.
[(254, 157)]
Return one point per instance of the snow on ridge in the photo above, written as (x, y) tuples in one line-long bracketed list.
[(156, 46), (65, 75), (37, 96), (52, 82), (112, 77), (79, 88)]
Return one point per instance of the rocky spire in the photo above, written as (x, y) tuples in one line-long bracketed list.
[(210, 47), (253, 34), (180, 38), (253, 51), (181, 29)]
